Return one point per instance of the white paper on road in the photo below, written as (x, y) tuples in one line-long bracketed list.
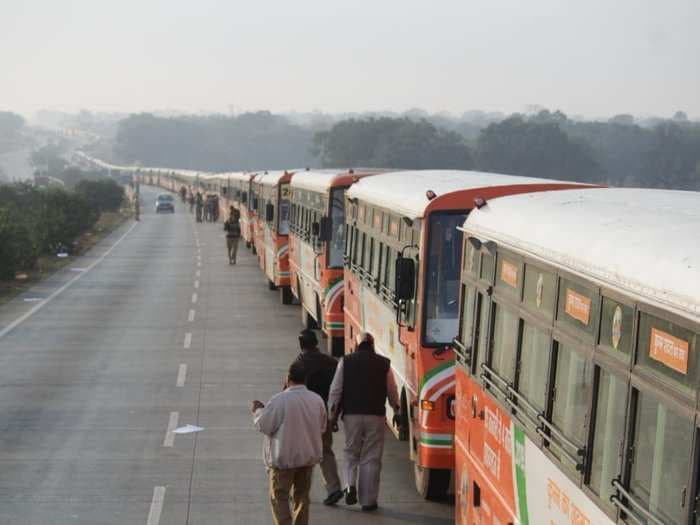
[(62, 255), (187, 429), (78, 269), (33, 299)]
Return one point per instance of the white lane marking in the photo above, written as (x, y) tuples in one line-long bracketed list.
[(198, 274), (32, 299), (14, 324), (181, 375), (199, 263), (190, 317), (172, 425), (194, 298), (196, 284), (188, 339), (156, 506)]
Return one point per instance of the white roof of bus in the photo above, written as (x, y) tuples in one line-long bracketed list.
[(405, 191), (316, 180), (270, 178), (644, 242)]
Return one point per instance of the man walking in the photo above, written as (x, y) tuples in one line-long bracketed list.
[(320, 369), (293, 422), (233, 233), (362, 383), (199, 202)]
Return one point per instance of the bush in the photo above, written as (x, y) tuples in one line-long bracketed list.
[(103, 195)]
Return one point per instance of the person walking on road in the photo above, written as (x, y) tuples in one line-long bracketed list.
[(190, 199), (233, 234), (199, 203), (362, 383), (320, 369), (292, 422)]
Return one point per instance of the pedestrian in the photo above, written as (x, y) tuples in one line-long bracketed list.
[(191, 201), (233, 234), (292, 422), (199, 202), (362, 383), (215, 208), (320, 369)]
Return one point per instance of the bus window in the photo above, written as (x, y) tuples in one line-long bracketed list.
[(441, 306), (608, 434), (362, 251), (337, 242), (390, 269), (572, 387), (377, 259), (505, 340), (283, 225), (540, 291), (356, 248), (534, 365), (480, 333), (467, 327), (616, 328), (669, 350), (488, 262), (471, 259), (662, 448)]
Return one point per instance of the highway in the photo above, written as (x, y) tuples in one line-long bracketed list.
[(150, 331)]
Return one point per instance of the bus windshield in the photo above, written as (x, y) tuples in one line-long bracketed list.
[(442, 278), (337, 242)]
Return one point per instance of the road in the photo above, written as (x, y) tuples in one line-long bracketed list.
[(151, 330)]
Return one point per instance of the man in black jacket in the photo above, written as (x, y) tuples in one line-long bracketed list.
[(320, 369), (361, 386)]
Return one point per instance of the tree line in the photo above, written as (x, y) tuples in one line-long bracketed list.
[(619, 151), (38, 221)]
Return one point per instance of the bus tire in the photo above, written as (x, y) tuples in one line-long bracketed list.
[(336, 346), (431, 483), (307, 321), (404, 424), (286, 296), (271, 285)]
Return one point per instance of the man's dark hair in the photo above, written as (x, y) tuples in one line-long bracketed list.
[(308, 339), (297, 373), (365, 346)]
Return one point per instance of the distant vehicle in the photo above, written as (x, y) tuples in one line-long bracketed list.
[(165, 202)]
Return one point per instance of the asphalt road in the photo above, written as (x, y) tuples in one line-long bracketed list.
[(149, 331)]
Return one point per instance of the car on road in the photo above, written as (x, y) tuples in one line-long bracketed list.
[(165, 202)]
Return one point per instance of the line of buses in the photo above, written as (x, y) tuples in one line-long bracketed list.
[(544, 334)]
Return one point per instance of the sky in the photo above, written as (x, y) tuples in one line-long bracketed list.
[(592, 58)]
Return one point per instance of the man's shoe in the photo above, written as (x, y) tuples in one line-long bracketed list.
[(333, 498), (369, 508), (350, 495)]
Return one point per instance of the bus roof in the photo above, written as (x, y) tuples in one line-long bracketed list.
[(405, 191), (322, 180), (642, 242), (270, 178)]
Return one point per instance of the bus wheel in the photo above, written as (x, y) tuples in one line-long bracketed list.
[(271, 285), (307, 321), (336, 346), (286, 296), (431, 483)]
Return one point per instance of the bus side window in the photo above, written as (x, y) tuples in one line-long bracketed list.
[(348, 240), (480, 333), (607, 435), (660, 463), (505, 340), (364, 242), (369, 256), (533, 365), (355, 249), (377, 261), (466, 327)]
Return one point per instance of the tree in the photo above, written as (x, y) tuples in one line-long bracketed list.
[(10, 124), (102, 195), (535, 148)]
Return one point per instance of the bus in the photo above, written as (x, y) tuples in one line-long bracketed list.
[(401, 284), (272, 231), (578, 368), (238, 194), (316, 244)]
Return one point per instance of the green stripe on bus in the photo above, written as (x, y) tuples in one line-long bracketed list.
[(426, 441), (520, 480), (435, 371)]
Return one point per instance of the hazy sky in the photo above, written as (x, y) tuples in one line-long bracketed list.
[(589, 57)]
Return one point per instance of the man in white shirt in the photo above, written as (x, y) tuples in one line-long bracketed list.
[(293, 422)]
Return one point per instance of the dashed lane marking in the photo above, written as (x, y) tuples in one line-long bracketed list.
[(194, 298), (14, 324), (196, 284), (181, 375), (172, 425), (156, 506), (188, 339), (190, 317)]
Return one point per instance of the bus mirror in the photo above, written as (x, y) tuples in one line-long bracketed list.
[(405, 278), (269, 212), (315, 229), (325, 231)]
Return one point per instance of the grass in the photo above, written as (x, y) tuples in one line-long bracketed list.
[(48, 264)]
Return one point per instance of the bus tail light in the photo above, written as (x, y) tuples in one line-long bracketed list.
[(427, 405)]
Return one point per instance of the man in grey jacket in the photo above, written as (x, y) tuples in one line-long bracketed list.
[(293, 422)]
